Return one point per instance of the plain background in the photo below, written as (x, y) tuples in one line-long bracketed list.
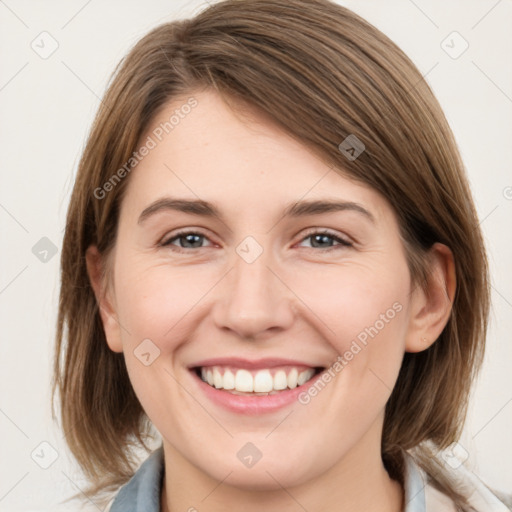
[(46, 109)]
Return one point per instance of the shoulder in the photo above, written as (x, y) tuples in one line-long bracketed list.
[(437, 501), (478, 494), (142, 492), (139, 494)]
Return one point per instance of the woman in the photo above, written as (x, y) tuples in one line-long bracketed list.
[(319, 335)]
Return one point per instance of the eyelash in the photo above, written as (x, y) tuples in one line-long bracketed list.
[(182, 234)]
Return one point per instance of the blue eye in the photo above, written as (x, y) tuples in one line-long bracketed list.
[(322, 237), (194, 239), (190, 237)]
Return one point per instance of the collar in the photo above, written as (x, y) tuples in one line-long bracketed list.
[(142, 492)]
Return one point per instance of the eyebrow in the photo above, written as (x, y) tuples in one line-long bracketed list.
[(296, 209)]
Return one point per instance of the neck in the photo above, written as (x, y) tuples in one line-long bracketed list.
[(357, 482)]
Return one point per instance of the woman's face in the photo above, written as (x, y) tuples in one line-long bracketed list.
[(256, 295)]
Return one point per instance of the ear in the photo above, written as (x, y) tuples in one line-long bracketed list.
[(95, 269), (431, 307)]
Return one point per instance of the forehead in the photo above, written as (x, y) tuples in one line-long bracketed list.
[(238, 158)]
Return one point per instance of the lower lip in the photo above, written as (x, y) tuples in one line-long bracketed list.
[(252, 405)]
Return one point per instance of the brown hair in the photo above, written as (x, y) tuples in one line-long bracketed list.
[(321, 73)]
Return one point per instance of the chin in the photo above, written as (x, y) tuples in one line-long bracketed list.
[(249, 480), (270, 475)]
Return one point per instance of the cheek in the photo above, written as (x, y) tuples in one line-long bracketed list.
[(355, 301), (363, 313), (153, 302)]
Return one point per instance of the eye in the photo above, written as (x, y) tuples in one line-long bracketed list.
[(320, 238), (194, 240), (190, 239)]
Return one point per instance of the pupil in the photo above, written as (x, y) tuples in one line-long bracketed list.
[(321, 238), (189, 238)]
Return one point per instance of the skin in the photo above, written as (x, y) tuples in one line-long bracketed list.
[(298, 300)]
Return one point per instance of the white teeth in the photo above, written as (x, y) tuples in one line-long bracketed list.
[(280, 381), (244, 381), (262, 382), (305, 376), (229, 380), (292, 378), (218, 381)]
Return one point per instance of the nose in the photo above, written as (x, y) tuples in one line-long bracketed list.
[(254, 300)]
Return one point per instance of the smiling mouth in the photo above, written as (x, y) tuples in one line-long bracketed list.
[(263, 382)]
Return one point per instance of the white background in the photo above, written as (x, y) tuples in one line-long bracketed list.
[(46, 108)]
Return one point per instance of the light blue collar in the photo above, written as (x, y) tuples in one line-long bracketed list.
[(142, 492)]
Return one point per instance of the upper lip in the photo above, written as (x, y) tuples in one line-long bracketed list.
[(237, 362)]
